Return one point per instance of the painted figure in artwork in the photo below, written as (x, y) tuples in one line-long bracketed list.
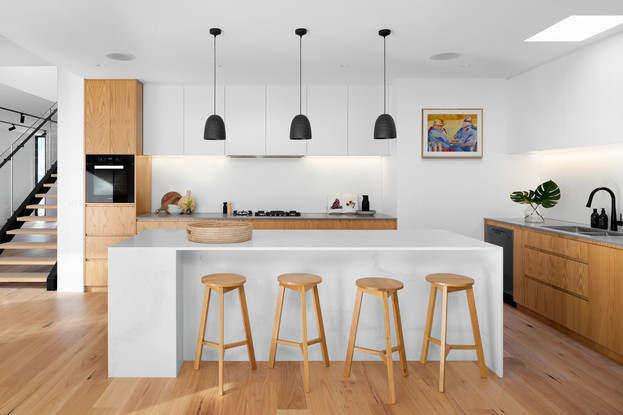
[(438, 139), (466, 137)]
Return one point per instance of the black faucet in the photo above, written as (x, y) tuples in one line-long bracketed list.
[(613, 210)]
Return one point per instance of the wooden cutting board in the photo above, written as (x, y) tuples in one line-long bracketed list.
[(169, 198)]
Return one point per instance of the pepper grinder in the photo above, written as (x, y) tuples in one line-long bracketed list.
[(224, 208)]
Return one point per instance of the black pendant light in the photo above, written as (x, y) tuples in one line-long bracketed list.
[(384, 127), (215, 127), (300, 129)]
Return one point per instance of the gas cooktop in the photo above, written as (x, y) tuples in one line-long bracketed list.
[(266, 213)]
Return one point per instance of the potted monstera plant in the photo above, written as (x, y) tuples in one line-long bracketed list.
[(546, 195)]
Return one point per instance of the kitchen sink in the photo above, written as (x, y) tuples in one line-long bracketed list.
[(581, 230)]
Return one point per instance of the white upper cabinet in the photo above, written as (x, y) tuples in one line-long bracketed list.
[(327, 112), (198, 106), (245, 107), (282, 105), (365, 104), (163, 120)]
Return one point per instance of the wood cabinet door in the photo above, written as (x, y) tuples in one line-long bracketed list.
[(123, 112), (110, 220), (96, 116)]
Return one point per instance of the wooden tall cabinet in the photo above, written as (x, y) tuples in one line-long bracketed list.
[(113, 124)]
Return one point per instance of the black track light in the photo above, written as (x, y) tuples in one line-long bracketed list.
[(384, 127), (22, 118), (215, 126), (300, 129), (12, 127)]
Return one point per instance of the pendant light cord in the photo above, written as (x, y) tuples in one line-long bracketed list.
[(384, 78), (214, 74), (300, 74)]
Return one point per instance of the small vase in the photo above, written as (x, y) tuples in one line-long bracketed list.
[(534, 213)]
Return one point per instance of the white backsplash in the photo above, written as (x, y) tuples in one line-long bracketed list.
[(267, 183)]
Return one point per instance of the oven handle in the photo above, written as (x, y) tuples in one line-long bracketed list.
[(99, 167)]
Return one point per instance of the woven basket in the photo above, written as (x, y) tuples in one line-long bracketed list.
[(219, 231)]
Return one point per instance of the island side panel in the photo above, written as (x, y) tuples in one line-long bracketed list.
[(145, 315), (339, 270)]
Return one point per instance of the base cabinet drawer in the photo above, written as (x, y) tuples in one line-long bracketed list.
[(110, 220), (97, 246), (96, 273)]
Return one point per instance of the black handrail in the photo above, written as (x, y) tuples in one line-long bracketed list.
[(20, 145)]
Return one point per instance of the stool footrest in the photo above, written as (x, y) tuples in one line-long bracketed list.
[(227, 346), (453, 346), (298, 344), (380, 353)]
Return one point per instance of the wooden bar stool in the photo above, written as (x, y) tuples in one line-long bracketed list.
[(300, 283), (223, 283), (448, 283), (383, 288)]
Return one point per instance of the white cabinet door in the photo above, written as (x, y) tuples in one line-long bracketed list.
[(163, 120), (282, 105), (245, 107), (198, 106), (327, 112), (365, 104)]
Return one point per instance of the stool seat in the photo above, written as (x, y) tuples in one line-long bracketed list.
[(450, 280), (379, 284), (296, 280), (223, 280)]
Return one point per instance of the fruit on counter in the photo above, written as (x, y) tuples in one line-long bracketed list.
[(187, 203), (170, 198), (336, 204)]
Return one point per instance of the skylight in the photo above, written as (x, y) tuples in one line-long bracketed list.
[(576, 28)]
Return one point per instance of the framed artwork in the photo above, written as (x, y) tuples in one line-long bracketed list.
[(452, 132)]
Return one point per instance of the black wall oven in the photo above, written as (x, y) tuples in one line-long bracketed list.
[(110, 178)]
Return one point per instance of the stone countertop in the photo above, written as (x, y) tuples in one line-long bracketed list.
[(614, 239), (304, 216)]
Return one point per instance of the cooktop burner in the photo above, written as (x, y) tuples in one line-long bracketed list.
[(277, 213), (243, 213)]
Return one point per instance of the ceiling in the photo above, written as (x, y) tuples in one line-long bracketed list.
[(172, 44)]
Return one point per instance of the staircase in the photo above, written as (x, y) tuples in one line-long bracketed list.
[(28, 240)]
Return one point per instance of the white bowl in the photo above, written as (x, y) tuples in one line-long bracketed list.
[(174, 209)]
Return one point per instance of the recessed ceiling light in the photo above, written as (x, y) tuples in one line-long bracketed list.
[(121, 56), (576, 28), (445, 56)]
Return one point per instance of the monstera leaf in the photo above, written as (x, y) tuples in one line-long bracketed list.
[(547, 195)]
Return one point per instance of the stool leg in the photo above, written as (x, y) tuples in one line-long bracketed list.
[(202, 326), (323, 341), (444, 326), (247, 326), (273, 343), (429, 323), (353, 333), (476, 329), (388, 342), (399, 337), (304, 343), (221, 342)]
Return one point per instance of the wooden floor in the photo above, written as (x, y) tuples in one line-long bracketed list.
[(53, 349)]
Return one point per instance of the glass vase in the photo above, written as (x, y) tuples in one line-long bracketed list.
[(534, 213)]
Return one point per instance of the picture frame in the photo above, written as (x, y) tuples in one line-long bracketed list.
[(452, 132)]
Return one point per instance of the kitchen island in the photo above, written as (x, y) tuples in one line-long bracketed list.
[(155, 293)]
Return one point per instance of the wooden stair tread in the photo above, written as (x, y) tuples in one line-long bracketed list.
[(50, 184), (54, 175), (32, 231), (27, 260), (41, 207), (46, 195), (37, 218), (23, 276), (28, 245)]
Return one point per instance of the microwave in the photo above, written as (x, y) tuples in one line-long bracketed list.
[(109, 178)]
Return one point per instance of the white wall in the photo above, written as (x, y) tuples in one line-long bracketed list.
[(71, 182), (456, 194), (36, 80), (267, 184)]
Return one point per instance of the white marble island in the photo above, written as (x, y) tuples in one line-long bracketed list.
[(155, 294)]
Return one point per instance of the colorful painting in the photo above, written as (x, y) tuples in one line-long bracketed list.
[(453, 132)]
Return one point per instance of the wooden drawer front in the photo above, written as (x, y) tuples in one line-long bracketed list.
[(565, 309), (96, 273), (110, 220), (97, 246), (557, 244), (565, 274)]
